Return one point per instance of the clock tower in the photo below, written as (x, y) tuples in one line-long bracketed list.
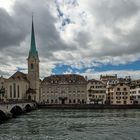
[(33, 67)]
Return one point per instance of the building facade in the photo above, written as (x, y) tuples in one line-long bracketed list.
[(68, 88), (16, 86), (96, 92), (118, 94), (135, 91), (64, 89)]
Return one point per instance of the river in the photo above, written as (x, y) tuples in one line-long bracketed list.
[(73, 125)]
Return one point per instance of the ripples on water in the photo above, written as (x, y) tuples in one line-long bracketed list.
[(73, 125)]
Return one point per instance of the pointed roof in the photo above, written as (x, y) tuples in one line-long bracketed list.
[(33, 52), (20, 76)]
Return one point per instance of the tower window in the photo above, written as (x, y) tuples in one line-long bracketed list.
[(32, 66)]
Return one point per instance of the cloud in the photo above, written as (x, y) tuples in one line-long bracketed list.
[(81, 34)]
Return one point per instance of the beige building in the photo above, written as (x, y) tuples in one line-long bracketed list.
[(17, 85), (118, 94), (96, 92), (64, 89)]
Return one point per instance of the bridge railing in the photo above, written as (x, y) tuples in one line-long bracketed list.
[(11, 101)]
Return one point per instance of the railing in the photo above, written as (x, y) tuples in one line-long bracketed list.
[(15, 101)]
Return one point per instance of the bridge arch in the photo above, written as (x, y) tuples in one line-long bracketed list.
[(28, 108), (16, 110), (3, 116)]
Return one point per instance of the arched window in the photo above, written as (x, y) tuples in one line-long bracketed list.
[(47, 101), (56, 101), (32, 66), (79, 101), (18, 91), (10, 91), (83, 101), (14, 85), (70, 101)]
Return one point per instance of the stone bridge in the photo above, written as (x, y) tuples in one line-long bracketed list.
[(14, 109)]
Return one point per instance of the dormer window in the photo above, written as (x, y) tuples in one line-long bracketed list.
[(32, 66)]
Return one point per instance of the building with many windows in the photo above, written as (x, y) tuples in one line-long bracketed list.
[(64, 89), (68, 88), (96, 92), (135, 91), (118, 94)]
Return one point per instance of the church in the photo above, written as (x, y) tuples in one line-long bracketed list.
[(21, 86), (54, 89)]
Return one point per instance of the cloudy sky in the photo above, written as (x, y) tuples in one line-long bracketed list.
[(88, 37)]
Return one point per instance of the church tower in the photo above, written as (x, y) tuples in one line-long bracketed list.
[(33, 67)]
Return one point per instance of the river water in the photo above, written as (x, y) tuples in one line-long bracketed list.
[(73, 125)]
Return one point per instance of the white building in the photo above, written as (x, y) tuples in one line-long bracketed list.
[(135, 94), (96, 92)]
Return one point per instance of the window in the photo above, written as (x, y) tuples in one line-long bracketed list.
[(69, 101), (51, 101), (14, 90), (18, 90), (124, 89), (10, 91), (83, 101), (121, 84), (56, 101), (32, 66), (74, 101), (78, 100), (118, 89), (118, 102)]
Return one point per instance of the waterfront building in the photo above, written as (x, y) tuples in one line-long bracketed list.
[(17, 85), (118, 94), (67, 88), (64, 89), (96, 92), (3, 91), (135, 93)]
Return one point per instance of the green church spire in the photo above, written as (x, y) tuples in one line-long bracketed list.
[(33, 52)]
